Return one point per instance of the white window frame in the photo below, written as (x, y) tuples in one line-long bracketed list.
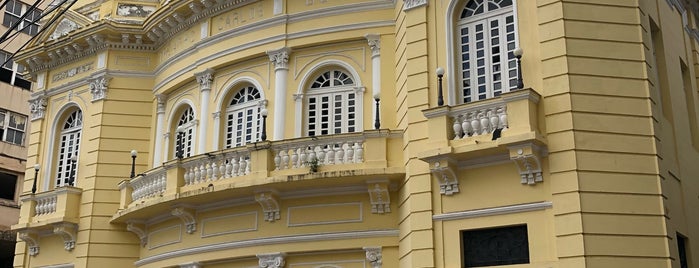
[(69, 132), (188, 120), (331, 92), (26, 21), (5, 120), (249, 104)]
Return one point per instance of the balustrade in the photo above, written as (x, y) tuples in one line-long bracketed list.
[(149, 185), (46, 204), (216, 167), (475, 121), (322, 152)]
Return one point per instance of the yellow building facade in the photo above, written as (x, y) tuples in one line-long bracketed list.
[(364, 133)]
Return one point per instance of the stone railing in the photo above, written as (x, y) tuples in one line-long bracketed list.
[(60, 204), (217, 166), (149, 184), (478, 120), (333, 151), (45, 203)]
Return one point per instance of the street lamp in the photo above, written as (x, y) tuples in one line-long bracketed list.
[(263, 136), (73, 161), (36, 173), (133, 163), (518, 54), (440, 96), (180, 133), (377, 122)]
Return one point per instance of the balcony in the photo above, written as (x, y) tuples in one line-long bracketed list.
[(278, 165), (493, 130)]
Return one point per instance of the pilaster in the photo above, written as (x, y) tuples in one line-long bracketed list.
[(205, 79), (280, 60)]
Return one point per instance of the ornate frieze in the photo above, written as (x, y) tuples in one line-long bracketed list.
[(205, 78), (280, 58), (71, 72), (98, 88), (270, 205), (410, 4), (271, 260), (37, 107), (373, 255)]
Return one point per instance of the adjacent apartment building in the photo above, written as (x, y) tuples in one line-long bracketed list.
[(14, 123), (363, 133)]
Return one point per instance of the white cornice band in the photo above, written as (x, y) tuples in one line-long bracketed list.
[(493, 211)]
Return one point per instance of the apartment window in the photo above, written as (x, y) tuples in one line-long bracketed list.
[(8, 185), (14, 11), (495, 246), (187, 141), (69, 145), (486, 38), (12, 127), (11, 72), (682, 250), (243, 117), (332, 104)]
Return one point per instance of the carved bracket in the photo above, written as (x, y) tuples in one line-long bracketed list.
[(379, 197), (68, 231), (271, 260), (138, 228), (373, 255), (32, 240), (527, 159), (445, 174), (270, 205), (187, 216), (98, 88)]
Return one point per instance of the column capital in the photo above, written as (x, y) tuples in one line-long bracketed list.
[(374, 43), (280, 58), (204, 78), (271, 260), (373, 255), (37, 107), (411, 4), (98, 87), (161, 103)]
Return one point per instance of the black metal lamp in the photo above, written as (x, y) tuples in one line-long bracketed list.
[(377, 122), (134, 153), (518, 52), (440, 96), (73, 161), (36, 174), (263, 135), (180, 147)]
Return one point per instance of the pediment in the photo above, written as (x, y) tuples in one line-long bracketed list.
[(68, 22)]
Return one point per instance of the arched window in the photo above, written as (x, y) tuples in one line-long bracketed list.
[(68, 146), (331, 104), (486, 37), (188, 124), (243, 117)]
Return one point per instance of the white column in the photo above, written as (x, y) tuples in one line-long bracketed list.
[(159, 125), (280, 59), (217, 131), (375, 45), (204, 78), (166, 150)]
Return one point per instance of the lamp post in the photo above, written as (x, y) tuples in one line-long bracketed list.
[(36, 173), (440, 96), (180, 133), (133, 163), (518, 54), (377, 122), (263, 135), (73, 161)]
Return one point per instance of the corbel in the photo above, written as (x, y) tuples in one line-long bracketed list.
[(379, 197), (373, 255), (271, 260), (270, 205), (138, 228), (68, 231), (444, 171), (187, 216), (32, 240), (528, 160)]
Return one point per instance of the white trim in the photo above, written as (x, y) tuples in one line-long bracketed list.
[(360, 217), (50, 150), (65, 265), (228, 87), (328, 264), (492, 211), (314, 237)]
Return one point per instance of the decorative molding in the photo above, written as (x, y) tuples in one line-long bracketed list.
[(174, 237), (32, 240), (193, 264), (270, 205), (444, 172), (528, 161), (280, 58), (315, 237), (187, 216), (67, 73), (379, 197), (271, 260), (68, 231), (374, 41), (37, 107), (138, 228), (162, 99), (411, 4), (324, 219), (230, 218), (205, 78), (98, 87), (373, 255), (63, 28), (493, 211)]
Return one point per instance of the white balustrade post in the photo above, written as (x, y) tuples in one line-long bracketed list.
[(280, 59), (205, 78)]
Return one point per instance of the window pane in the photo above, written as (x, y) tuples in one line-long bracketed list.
[(495, 246)]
